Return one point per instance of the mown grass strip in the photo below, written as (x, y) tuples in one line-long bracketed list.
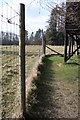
[(56, 84)]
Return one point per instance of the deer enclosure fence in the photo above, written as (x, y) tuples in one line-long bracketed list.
[(9, 46), (13, 77)]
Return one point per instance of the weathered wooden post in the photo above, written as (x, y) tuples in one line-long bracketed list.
[(69, 48), (65, 46), (22, 58), (72, 47), (77, 49), (77, 45), (43, 43)]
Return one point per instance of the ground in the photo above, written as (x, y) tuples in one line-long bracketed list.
[(55, 91)]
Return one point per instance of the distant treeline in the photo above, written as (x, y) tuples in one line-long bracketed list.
[(8, 38), (34, 39)]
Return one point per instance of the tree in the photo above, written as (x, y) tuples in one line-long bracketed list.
[(55, 31), (31, 39), (38, 36), (9, 38), (26, 37)]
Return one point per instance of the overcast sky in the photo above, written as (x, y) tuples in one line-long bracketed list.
[(36, 15)]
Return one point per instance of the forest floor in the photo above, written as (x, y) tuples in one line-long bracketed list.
[(54, 93)]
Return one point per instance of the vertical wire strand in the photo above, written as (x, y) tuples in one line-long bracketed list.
[(1, 68), (2, 65), (11, 65), (15, 49), (7, 38), (7, 54), (15, 57)]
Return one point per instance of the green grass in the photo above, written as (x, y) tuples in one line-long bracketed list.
[(68, 71), (50, 69), (54, 89)]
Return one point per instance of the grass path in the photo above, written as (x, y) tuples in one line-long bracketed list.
[(55, 92)]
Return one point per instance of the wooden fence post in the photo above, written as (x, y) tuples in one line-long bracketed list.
[(77, 53), (43, 43), (69, 48), (22, 58), (72, 42), (65, 46)]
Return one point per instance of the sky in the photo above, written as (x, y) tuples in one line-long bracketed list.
[(37, 13)]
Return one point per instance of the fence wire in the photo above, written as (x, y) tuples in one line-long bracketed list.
[(33, 53), (9, 67), (10, 84), (32, 56)]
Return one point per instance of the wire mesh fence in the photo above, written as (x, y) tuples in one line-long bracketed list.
[(33, 53), (9, 53), (10, 77)]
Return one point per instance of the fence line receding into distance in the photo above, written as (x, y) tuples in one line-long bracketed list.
[(16, 66)]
